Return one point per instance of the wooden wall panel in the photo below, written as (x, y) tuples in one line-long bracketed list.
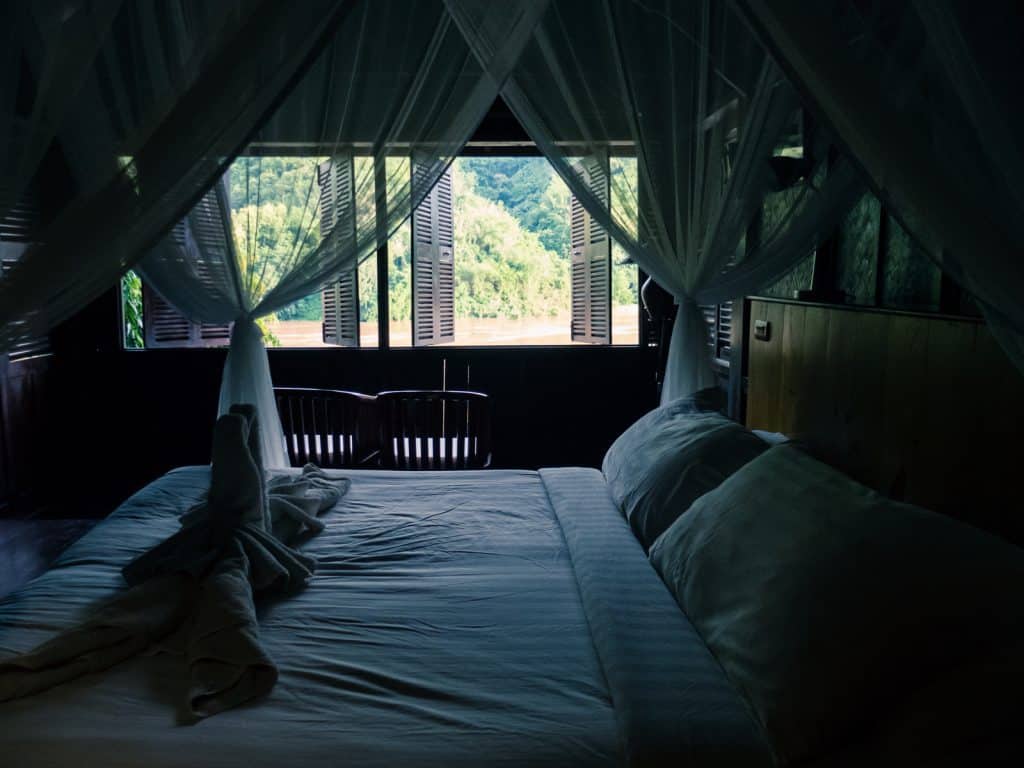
[(25, 405), (146, 412), (926, 409), (6, 489)]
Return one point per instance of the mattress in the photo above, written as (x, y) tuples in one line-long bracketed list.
[(455, 618)]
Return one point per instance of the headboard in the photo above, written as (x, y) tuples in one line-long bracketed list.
[(924, 408)]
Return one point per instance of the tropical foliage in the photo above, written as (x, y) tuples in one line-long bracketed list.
[(502, 266), (131, 310), (511, 248)]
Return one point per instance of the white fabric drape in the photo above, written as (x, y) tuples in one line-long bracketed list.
[(926, 97), (152, 103), (396, 80), (685, 89), (140, 105), (56, 46)]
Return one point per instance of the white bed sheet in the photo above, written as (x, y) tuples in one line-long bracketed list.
[(443, 627)]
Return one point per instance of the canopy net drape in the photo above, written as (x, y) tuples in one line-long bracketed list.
[(685, 93), (671, 122), (925, 97), (138, 107), (357, 143)]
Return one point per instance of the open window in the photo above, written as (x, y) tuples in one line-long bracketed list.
[(526, 264), (331, 316), (163, 325), (498, 253)]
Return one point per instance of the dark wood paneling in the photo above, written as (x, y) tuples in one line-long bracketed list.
[(25, 411), (146, 412), (926, 409)]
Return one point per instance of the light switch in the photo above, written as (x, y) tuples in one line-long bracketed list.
[(762, 330)]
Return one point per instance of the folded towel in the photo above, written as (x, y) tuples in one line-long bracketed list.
[(119, 628), (251, 431), (195, 591), (226, 662), (236, 498)]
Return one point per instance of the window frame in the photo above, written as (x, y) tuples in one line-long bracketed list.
[(473, 148)]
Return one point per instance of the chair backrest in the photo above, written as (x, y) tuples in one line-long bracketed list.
[(431, 429), (328, 427)]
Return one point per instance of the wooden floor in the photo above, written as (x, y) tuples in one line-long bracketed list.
[(29, 547)]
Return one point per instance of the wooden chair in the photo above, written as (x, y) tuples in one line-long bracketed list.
[(328, 427), (431, 429)]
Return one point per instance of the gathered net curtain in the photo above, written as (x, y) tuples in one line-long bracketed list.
[(53, 47), (926, 96), (397, 81), (134, 109), (146, 107), (684, 88)]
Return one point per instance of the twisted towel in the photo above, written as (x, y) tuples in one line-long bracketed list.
[(194, 592)]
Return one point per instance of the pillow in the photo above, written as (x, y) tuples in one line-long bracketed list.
[(823, 600), (669, 457), (772, 438)]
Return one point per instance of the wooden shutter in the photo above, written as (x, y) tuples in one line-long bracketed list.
[(433, 263), (723, 337), (210, 226), (591, 261), (163, 325), (719, 320), (17, 230), (340, 297)]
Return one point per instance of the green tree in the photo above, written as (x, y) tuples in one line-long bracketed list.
[(131, 310), (501, 268), (530, 190), (400, 273), (511, 236), (309, 308)]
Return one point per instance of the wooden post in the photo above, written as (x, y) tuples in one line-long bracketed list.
[(383, 303)]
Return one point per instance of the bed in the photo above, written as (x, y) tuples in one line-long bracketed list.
[(708, 598), (456, 618)]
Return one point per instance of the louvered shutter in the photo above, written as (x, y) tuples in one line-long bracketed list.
[(723, 337), (163, 325), (16, 231), (340, 297), (210, 226), (719, 320), (433, 263), (591, 262)]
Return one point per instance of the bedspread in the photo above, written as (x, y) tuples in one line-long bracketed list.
[(444, 626)]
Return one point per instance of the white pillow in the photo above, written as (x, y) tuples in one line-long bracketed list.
[(668, 458), (824, 601), (772, 438)]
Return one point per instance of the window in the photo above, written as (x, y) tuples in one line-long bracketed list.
[(488, 260), (499, 253), (162, 325)]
